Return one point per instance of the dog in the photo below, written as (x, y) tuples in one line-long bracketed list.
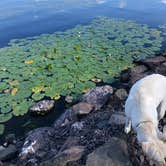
[(144, 107)]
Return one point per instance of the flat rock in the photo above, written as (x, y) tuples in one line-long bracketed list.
[(7, 153), (117, 118), (113, 153), (152, 62), (42, 107), (72, 154), (82, 108), (98, 96)]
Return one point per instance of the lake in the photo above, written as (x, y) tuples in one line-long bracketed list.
[(64, 34)]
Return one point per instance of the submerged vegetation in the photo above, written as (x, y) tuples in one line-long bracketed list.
[(70, 62)]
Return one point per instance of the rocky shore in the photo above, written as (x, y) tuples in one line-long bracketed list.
[(90, 133)]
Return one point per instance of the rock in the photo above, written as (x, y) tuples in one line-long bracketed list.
[(82, 108), (77, 126), (153, 62), (67, 118), (69, 99), (98, 96), (113, 153), (139, 69), (1, 163), (10, 139), (72, 154), (38, 143), (121, 94), (7, 153), (117, 118), (42, 107)]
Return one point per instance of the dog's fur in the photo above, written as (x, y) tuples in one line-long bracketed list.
[(144, 107)]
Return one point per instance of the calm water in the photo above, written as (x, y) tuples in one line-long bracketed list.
[(24, 18)]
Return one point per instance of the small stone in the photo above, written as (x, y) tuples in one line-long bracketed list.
[(7, 153), (139, 69), (117, 118), (69, 99), (82, 108), (121, 94), (42, 107)]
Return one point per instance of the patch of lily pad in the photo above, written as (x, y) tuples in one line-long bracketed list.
[(70, 62)]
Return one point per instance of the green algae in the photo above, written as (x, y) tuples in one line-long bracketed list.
[(70, 62)]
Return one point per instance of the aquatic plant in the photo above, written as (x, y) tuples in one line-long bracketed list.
[(70, 62)]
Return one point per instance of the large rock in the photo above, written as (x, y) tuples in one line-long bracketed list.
[(7, 153), (82, 108), (72, 154), (98, 96), (113, 153), (38, 143), (153, 62), (42, 107)]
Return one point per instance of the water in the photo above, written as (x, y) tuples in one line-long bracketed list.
[(22, 18)]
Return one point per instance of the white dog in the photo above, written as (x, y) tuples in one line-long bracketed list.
[(144, 107)]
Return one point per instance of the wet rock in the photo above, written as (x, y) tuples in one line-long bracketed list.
[(152, 62), (38, 143), (42, 107), (82, 108), (117, 118), (98, 96), (72, 154), (69, 99), (67, 118), (121, 94), (113, 153), (7, 153)]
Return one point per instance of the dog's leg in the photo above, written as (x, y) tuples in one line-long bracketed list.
[(127, 125)]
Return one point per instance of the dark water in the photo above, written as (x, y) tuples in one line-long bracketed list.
[(25, 18)]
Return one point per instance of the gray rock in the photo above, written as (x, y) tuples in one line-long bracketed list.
[(72, 154), (113, 153), (98, 96), (121, 94), (38, 143), (69, 99), (42, 107), (82, 108), (139, 69), (117, 118), (8, 152)]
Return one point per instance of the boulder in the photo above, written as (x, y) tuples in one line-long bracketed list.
[(98, 96), (38, 143), (7, 153), (82, 108), (113, 153), (42, 107)]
